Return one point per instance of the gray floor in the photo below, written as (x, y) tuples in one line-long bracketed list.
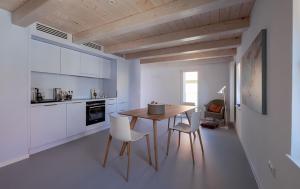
[(76, 165)]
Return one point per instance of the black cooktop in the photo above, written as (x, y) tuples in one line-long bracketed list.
[(44, 101)]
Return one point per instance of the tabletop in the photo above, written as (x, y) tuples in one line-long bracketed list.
[(170, 111)]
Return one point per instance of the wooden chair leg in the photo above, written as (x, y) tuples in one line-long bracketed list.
[(200, 139), (169, 138), (123, 148), (190, 135), (148, 149), (179, 134), (107, 150), (194, 135), (174, 121), (128, 164)]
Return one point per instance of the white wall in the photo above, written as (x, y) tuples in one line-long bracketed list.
[(268, 137), (162, 81), (232, 91), (81, 86), (296, 80), (14, 83)]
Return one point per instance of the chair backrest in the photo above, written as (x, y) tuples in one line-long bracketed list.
[(216, 101), (120, 127), (195, 121), (190, 112)]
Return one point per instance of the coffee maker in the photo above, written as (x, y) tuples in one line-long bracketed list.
[(36, 95), (57, 94)]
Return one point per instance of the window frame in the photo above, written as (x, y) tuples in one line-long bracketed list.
[(182, 84)]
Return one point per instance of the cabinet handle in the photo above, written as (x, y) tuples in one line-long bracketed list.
[(51, 105), (76, 102)]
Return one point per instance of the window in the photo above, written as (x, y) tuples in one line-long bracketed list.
[(190, 87)]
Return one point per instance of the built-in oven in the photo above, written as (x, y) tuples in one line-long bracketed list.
[(95, 112)]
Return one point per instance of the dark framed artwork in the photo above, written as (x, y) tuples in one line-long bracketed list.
[(254, 74)]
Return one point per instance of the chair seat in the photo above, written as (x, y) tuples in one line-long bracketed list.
[(135, 135), (183, 127)]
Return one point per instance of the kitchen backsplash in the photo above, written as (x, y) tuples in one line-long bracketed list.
[(81, 86)]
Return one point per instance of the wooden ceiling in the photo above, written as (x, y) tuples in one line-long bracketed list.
[(146, 29)]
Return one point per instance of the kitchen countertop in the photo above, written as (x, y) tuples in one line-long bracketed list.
[(68, 101)]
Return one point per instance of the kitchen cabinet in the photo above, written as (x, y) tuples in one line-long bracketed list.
[(48, 124), (89, 65), (110, 108), (105, 69), (122, 85), (45, 57), (76, 118), (70, 62), (122, 80)]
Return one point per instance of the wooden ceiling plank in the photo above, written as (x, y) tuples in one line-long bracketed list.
[(246, 9), (202, 46), (166, 13), (224, 14), (191, 56), (238, 25), (26, 14), (11, 5), (235, 11)]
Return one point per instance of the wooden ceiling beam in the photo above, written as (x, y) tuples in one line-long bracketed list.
[(191, 56), (228, 27), (28, 13), (204, 61), (194, 47), (166, 13)]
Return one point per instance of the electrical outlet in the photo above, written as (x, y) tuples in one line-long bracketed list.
[(272, 168)]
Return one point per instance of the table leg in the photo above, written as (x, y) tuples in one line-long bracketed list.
[(132, 125), (169, 123), (174, 121), (187, 116), (155, 144)]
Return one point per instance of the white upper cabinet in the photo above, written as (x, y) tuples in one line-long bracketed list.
[(45, 57), (89, 65), (49, 58), (76, 118), (105, 69), (70, 62)]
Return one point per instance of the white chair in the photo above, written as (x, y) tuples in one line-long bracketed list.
[(189, 129), (120, 130), (183, 115)]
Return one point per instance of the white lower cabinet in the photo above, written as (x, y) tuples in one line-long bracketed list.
[(76, 118), (48, 124), (110, 107)]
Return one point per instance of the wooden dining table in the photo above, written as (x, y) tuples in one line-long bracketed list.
[(170, 111)]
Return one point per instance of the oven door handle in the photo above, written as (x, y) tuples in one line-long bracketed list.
[(96, 107)]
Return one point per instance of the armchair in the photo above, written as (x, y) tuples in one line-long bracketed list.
[(215, 109)]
